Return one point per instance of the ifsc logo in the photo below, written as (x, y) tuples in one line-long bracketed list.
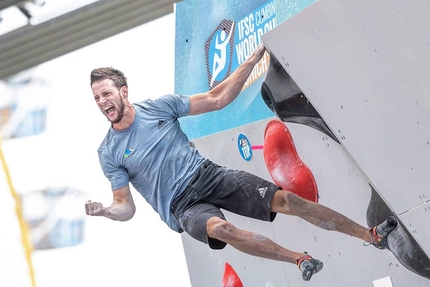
[(219, 53)]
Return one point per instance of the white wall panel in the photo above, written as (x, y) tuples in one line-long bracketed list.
[(342, 186), (364, 65)]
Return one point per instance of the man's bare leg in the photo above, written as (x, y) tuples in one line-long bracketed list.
[(249, 242), (317, 214), (261, 246), (291, 204)]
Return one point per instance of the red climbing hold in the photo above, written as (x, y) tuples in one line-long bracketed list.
[(230, 278), (285, 166)]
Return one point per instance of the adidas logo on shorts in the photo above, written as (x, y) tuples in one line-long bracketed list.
[(262, 191)]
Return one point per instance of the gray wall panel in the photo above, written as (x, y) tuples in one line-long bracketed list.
[(342, 186), (417, 222), (364, 65), (223, 147)]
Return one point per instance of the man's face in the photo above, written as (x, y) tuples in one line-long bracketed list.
[(109, 99)]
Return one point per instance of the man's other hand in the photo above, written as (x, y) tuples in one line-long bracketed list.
[(94, 208), (258, 54)]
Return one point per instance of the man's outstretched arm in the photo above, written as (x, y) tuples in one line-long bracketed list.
[(228, 90), (121, 209)]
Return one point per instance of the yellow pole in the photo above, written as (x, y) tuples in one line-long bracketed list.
[(25, 238)]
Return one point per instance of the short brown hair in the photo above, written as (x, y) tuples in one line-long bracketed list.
[(109, 73)]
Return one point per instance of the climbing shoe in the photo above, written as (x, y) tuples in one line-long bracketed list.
[(308, 266), (380, 233)]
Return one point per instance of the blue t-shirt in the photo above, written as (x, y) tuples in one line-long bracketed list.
[(153, 154)]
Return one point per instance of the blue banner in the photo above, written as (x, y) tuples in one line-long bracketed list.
[(213, 38)]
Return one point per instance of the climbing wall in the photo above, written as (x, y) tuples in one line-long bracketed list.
[(341, 186), (367, 79), (352, 98)]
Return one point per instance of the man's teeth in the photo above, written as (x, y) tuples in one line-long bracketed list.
[(109, 110)]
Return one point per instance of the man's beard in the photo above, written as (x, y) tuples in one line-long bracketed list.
[(120, 115)]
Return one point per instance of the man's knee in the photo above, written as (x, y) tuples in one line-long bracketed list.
[(219, 228), (287, 202)]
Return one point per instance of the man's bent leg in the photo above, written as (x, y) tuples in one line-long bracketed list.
[(261, 246), (289, 203), (249, 242)]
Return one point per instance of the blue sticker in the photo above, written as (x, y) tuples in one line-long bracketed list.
[(244, 147)]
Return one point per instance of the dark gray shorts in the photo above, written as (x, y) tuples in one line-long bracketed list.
[(215, 187)]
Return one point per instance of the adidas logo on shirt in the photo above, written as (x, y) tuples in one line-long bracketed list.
[(161, 124)]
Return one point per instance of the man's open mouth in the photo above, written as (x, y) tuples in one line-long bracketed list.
[(109, 110)]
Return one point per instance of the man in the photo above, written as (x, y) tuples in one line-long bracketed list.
[(146, 147)]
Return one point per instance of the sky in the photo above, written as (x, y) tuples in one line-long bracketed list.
[(140, 252)]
